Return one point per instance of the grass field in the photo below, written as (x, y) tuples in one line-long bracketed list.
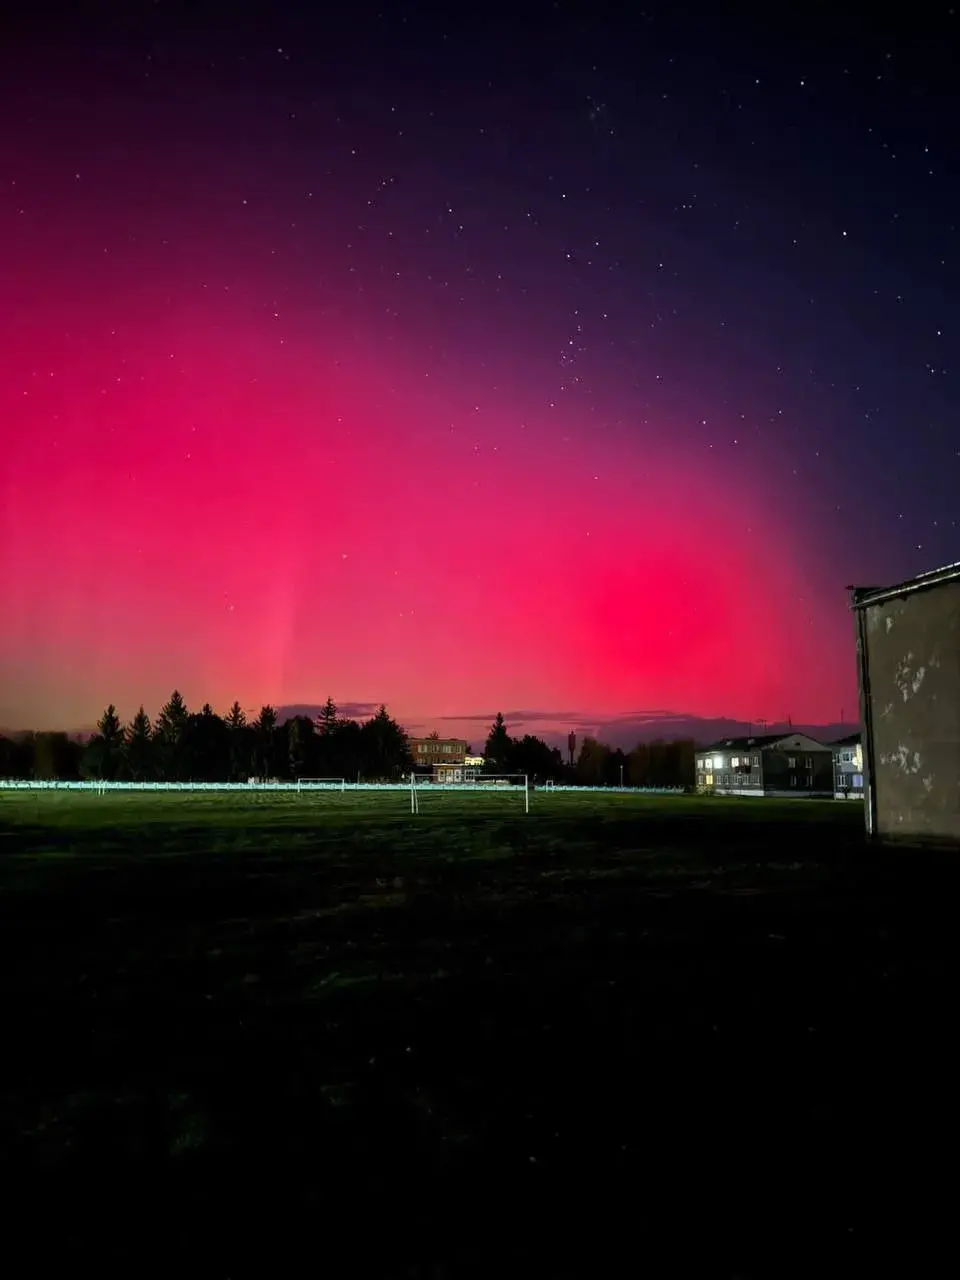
[(241, 1031)]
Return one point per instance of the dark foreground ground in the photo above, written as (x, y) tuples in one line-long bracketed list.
[(302, 1037)]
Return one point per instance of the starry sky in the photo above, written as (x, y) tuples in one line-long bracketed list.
[(464, 362)]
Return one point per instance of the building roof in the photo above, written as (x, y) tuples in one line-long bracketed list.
[(851, 740), (861, 597), (413, 737), (741, 744), (760, 742)]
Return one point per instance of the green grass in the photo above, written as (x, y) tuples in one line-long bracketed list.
[(244, 1029)]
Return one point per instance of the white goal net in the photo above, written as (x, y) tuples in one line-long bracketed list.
[(488, 790)]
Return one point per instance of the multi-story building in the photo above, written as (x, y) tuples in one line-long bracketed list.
[(447, 758), (848, 768), (774, 764)]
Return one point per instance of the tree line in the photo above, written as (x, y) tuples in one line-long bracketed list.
[(201, 746), (650, 764), (184, 746)]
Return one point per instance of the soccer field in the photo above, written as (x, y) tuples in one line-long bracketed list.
[(62, 809), (241, 1027)]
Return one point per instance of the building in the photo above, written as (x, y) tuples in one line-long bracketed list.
[(774, 764), (446, 758), (908, 661), (848, 767)]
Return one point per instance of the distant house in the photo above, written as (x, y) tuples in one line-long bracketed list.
[(848, 768), (775, 764), (446, 758)]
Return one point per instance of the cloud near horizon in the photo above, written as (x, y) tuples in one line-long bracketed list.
[(575, 718)]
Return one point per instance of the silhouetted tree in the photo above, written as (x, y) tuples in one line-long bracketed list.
[(685, 762), (615, 768), (20, 755), (343, 751), (235, 717), (264, 728), (103, 755), (385, 747), (497, 752), (638, 765), (139, 753), (206, 746), (335, 745), (44, 764), (55, 756), (300, 735), (532, 756), (662, 764), (169, 735), (239, 745), (327, 718), (8, 759), (592, 762)]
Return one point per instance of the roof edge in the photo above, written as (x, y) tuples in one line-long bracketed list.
[(861, 597)]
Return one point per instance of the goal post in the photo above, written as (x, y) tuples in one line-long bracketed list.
[(321, 784), (428, 786)]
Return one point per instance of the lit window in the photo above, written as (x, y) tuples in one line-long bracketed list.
[(791, 762)]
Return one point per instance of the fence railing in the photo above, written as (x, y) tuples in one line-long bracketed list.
[(92, 785)]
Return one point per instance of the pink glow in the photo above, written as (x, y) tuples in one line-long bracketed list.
[(205, 497)]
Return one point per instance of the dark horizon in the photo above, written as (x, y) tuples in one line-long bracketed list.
[(622, 733)]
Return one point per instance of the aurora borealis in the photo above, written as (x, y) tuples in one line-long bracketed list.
[(570, 364)]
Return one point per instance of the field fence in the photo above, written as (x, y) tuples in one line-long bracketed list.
[(92, 785)]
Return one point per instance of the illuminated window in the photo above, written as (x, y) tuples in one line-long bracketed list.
[(808, 761), (791, 762)]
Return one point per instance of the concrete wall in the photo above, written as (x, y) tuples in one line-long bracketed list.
[(910, 688)]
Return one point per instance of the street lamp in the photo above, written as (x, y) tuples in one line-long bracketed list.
[(621, 777)]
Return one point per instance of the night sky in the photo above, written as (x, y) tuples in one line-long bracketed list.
[(574, 365)]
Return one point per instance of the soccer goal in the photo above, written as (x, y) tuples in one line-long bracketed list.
[(497, 788), (321, 784)]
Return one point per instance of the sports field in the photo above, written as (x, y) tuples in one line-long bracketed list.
[(239, 1031)]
